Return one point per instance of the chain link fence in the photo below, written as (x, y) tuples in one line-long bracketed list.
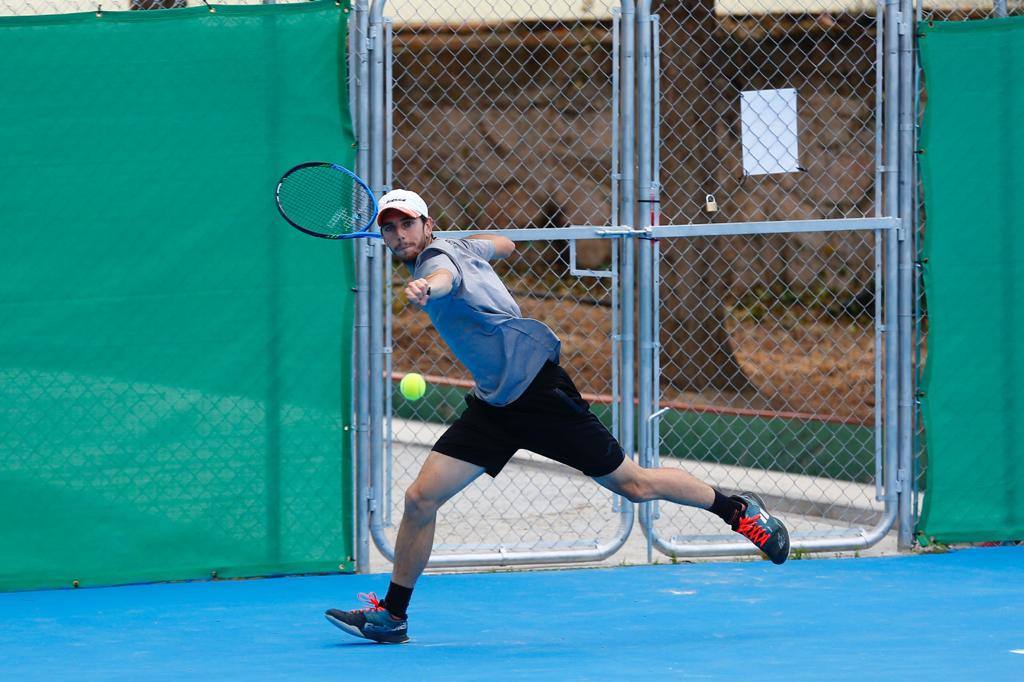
[(535, 505), (785, 401), (505, 120)]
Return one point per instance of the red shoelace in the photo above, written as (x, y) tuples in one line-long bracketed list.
[(749, 529), (371, 599)]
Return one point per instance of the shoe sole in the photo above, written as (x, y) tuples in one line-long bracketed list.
[(785, 531), (355, 632)]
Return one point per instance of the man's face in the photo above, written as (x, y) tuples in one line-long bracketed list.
[(404, 235)]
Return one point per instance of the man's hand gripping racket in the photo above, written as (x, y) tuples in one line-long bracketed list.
[(418, 292)]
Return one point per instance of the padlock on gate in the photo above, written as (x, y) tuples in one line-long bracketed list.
[(710, 205)]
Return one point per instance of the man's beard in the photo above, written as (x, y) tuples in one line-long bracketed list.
[(420, 247)]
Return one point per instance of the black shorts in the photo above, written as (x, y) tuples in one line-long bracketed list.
[(549, 418)]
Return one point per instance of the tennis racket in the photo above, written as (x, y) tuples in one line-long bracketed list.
[(325, 200)]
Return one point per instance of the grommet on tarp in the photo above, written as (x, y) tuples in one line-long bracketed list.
[(212, 9), (99, 10)]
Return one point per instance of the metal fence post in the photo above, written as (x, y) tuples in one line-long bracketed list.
[(627, 210), (361, 366), (891, 289), (375, 251), (646, 199), (906, 272)]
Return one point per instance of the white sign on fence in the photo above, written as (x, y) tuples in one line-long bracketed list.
[(769, 137)]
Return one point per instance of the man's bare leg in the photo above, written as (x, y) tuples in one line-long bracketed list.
[(745, 513), (440, 479), (638, 484)]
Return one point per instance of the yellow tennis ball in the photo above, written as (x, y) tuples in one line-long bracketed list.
[(412, 386)]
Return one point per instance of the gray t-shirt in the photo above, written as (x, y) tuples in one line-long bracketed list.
[(481, 323)]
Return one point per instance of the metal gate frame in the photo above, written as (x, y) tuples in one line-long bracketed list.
[(637, 157), (650, 414), (371, 59), (896, 74)]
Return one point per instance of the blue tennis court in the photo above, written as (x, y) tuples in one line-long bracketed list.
[(950, 616)]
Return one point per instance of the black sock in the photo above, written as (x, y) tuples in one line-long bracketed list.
[(397, 600), (726, 508)]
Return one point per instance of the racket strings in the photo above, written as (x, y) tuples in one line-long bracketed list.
[(326, 200)]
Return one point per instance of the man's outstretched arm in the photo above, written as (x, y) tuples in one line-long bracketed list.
[(435, 285), (503, 246)]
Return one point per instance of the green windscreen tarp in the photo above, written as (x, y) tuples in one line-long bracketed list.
[(973, 146), (174, 358)]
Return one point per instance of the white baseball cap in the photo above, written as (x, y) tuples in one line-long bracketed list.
[(409, 203)]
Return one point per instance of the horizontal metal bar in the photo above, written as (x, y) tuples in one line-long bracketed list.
[(775, 227), (861, 539), (576, 232), (514, 556), (440, 549), (544, 234)]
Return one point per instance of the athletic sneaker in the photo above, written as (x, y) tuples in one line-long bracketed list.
[(374, 622), (768, 533)]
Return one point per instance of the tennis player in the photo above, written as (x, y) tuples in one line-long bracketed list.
[(522, 399)]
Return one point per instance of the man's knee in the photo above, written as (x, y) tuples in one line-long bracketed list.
[(440, 478), (419, 503)]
